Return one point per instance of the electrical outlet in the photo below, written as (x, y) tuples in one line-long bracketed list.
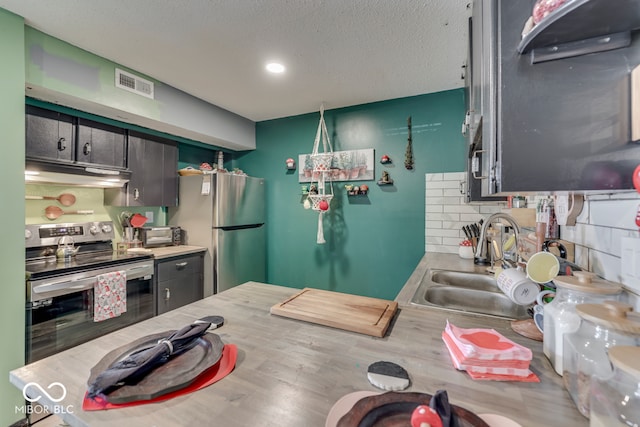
[(149, 216), (630, 262)]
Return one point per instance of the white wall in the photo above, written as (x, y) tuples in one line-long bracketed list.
[(599, 229)]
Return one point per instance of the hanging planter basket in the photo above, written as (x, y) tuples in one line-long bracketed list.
[(316, 199), (321, 161)]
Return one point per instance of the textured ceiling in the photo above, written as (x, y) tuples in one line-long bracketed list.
[(337, 52)]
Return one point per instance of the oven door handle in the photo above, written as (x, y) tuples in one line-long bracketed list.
[(134, 273), (74, 286)]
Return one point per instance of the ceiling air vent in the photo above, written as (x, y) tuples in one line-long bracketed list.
[(133, 83)]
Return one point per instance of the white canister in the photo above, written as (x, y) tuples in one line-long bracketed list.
[(515, 284)]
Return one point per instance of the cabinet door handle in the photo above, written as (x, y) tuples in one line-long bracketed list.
[(136, 194), (475, 164), (86, 149), (61, 144), (167, 294), (181, 264)]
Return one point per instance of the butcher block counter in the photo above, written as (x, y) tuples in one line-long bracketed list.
[(172, 251), (289, 373)]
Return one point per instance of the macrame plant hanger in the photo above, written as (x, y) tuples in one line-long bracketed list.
[(321, 175)]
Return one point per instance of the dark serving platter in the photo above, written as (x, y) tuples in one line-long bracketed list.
[(175, 374)]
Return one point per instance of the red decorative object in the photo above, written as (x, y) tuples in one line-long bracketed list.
[(385, 159), (323, 205), (291, 164), (636, 179), (543, 8)]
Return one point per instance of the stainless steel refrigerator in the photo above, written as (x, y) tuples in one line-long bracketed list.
[(226, 214)]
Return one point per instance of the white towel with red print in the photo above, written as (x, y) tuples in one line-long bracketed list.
[(110, 296)]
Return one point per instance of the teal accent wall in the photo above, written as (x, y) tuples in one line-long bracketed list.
[(374, 242), (11, 210)]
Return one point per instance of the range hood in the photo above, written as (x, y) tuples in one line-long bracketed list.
[(76, 175)]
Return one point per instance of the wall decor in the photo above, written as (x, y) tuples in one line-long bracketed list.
[(291, 164), (408, 156), (385, 179), (351, 165)]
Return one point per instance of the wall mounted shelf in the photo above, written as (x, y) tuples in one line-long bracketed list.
[(579, 27)]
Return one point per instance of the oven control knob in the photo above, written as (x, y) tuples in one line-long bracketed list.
[(27, 234), (106, 228), (93, 230)]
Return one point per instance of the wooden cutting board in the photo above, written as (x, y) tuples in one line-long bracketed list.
[(370, 316)]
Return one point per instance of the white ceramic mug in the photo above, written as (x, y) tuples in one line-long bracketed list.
[(517, 286), (542, 267)]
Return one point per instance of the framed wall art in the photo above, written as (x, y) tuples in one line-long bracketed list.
[(351, 165)]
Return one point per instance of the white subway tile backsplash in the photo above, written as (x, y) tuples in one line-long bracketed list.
[(446, 203), (605, 265), (452, 192), (434, 177), (441, 216), (460, 208), (434, 208), (434, 224), (604, 220), (441, 232), (444, 184), (434, 192), (600, 213), (455, 176)]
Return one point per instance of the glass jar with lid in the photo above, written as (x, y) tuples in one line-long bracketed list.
[(615, 399), (602, 327), (560, 315)]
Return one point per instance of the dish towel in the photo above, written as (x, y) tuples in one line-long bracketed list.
[(110, 296), (487, 354)]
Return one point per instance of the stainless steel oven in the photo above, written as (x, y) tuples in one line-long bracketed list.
[(60, 293), (60, 310)]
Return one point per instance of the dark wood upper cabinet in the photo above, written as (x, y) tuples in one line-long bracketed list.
[(153, 162), (49, 135), (101, 144)]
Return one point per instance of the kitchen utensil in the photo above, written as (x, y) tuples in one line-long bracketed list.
[(467, 232), (356, 313), (65, 199), (138, 220), (54, 212)]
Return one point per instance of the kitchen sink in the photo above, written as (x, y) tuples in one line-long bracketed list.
[(468, 292)]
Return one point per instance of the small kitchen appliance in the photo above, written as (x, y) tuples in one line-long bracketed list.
[(160, 236)]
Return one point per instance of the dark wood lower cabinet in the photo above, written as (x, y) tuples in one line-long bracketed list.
[(179, 281)]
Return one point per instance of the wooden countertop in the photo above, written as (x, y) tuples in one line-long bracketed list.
[(290, 372), (171, 251)]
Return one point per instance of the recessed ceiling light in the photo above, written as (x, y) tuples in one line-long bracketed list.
[(275, 68)]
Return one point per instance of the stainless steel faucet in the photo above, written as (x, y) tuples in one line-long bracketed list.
[(482, 250)]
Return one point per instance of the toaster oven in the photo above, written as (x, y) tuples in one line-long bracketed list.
[(160, 236)]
